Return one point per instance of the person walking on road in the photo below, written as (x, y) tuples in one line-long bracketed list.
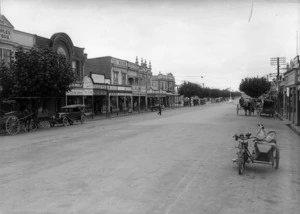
[(159, 109)]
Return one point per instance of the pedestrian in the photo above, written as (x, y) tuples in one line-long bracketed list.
[(159, 109), (25, 114)]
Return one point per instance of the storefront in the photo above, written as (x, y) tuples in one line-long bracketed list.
[(156, 96), (92, 95), (120, 99), (291, 93), (79, 95)]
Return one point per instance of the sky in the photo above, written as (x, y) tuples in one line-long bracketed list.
[(212, 43)]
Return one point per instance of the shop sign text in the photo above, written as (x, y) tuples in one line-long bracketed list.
[(5, 34)]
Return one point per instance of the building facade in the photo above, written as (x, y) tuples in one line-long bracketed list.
[(291, 92), (11, 39), (104, 84), (131, 86), (163, 88), (119, 75)]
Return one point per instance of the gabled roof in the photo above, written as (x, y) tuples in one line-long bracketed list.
[(4, 22)]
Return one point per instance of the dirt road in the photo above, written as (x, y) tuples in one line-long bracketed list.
[(176, 163)]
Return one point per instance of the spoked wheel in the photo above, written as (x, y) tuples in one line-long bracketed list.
[(82, 119), (12, 125), (241, 163), (65, 121), (276, 157)]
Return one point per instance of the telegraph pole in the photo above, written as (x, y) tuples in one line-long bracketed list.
[(278, 61)]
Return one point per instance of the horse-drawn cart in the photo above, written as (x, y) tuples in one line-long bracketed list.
[(10, 123), (13, 122), (245, 104)]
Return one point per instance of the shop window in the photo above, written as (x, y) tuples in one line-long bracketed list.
[(130, 81), (123, 78), (5, 55), (116, 80), (76, 69)]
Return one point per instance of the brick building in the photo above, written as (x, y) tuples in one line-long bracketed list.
[(127, 82)]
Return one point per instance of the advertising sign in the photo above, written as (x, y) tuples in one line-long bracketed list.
[(87, 82), (290, 79), (75, 92), (5, 34), (98, 78), (119, 62)]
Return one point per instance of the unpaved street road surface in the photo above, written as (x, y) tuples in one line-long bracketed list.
[(177, 163)]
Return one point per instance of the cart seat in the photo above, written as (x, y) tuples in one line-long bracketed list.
[(264, 150), (263, 147)]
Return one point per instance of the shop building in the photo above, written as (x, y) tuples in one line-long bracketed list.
[(163, 89), (11, 39), (118, 76), (144, 84), (291, 94)]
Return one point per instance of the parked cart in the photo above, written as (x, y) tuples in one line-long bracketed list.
[(268, 108)]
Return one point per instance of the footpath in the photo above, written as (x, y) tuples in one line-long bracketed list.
[(125, 113), (292, 126)]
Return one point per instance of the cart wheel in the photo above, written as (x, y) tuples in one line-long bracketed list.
[(65, 121), (82, 119), (12, 125), (241, 164)]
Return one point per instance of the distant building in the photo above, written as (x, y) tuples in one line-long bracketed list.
[(289, 93), (163, 86)]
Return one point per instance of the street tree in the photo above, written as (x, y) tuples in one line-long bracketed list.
[(36, 73), (255, 86), (189, 89)]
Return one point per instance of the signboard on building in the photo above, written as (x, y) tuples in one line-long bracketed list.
[(80, 92), (99, 92), (87, 82), (6, 29), (100, 86), (88, 92), (119, 94), (75, 92), (133, 66), (290, 78), (5, 34), (119, 88), (118, 62), (98, 78)]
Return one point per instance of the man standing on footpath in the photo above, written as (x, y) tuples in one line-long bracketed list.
[(159, 109)]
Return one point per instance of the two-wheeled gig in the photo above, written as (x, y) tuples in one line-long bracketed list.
[(265, 149)]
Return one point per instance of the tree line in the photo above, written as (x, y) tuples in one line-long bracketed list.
[(190, 89)]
